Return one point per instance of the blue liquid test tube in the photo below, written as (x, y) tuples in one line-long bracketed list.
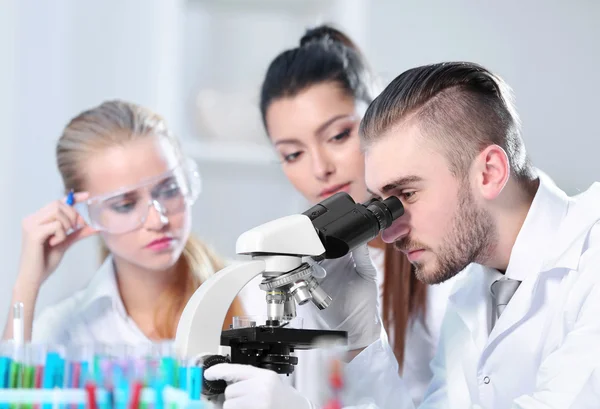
[(5, 366)]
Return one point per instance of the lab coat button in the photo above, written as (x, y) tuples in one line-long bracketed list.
[(486, 380)]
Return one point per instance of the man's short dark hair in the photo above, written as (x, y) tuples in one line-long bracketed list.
[(459, 105)]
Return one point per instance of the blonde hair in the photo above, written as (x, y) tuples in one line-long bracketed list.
[(119, 122)]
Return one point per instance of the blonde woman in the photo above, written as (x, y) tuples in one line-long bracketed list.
[(133, 188)]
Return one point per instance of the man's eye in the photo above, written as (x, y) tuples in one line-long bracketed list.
[(407, 195)]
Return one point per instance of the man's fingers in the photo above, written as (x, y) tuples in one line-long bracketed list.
[(238, 403), (241, 389), (232, 372)]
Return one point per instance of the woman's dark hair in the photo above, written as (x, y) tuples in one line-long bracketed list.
[(325, 54)]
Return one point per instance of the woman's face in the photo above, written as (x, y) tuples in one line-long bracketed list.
[(316, 137), (146, 197)]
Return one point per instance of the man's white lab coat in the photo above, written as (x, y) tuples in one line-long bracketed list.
[(543, 350)]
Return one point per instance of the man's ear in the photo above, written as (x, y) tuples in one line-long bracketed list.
[(492, 170)]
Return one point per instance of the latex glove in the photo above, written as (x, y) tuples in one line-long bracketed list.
[(250, 387), (351, 283)]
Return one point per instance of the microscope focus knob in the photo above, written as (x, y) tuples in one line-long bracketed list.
[(213, 387)]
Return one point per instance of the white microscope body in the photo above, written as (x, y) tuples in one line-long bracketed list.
[(276, 247)]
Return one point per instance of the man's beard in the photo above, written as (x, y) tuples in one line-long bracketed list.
[(471, 239)]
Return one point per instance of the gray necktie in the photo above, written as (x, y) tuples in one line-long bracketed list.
[(502, 291)]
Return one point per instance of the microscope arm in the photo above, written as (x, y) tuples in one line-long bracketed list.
[(201, 322)]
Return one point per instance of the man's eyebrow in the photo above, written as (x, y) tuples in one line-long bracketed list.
[(398, 183)]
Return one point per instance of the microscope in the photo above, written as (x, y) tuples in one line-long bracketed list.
[(285, 251)]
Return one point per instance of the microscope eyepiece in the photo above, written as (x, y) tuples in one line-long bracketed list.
[(343, 225), (386, 211)]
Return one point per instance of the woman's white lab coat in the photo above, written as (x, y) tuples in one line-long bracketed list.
[(545, 348)]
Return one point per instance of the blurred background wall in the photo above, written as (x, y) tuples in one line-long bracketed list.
[(200, 63)]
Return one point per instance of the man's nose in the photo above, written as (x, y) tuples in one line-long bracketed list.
[(396, 231)]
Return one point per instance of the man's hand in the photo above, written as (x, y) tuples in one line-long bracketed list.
[(250, 387)]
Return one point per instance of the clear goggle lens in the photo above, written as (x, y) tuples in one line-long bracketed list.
[(127, 209)]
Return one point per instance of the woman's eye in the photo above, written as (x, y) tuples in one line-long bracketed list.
[(407, 195), (341, 136), (169, 191), (123, 207), (291, 157)]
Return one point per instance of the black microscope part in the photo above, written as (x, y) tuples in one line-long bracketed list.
[(271, 347), (343, 224), (213, 387)]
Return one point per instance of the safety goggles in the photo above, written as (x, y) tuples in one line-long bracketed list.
[(127, 209)]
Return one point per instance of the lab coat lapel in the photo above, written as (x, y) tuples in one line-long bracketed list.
[(469, 301)]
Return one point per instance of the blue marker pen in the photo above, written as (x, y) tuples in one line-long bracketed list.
[(71, 198)]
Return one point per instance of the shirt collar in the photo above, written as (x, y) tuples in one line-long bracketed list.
[(103, 288), (539, 230)]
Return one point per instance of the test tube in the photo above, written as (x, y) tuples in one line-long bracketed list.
[(28, 370), (168, 363), (183, 374), (38, 353), (34, 368), (18, 331), (54, 370), (190, 378), (15, 380), (80, 360), (121, 372), (5, 360), (5, 367)]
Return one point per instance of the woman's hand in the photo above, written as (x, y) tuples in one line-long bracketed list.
[(47, 234)]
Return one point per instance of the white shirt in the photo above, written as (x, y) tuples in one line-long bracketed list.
[(94, 314), (543, 351)]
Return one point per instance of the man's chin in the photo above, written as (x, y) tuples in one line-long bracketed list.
[(432, 277)]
